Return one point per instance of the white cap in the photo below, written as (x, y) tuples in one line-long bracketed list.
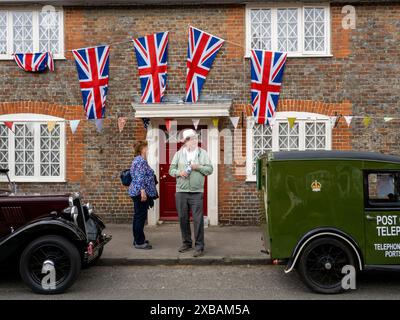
[(188, 133)]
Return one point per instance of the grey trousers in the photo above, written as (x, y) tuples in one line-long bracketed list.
[(186, 201)]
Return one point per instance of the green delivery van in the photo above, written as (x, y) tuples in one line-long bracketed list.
[(323, 210)]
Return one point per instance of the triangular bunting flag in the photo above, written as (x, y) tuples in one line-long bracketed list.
[(51, 125), (30, 126), (387, 119), (121, 123), (367, 121), (99, 125), (333, 120), (196, 123), (73, 124), (202, 50), (235, 121), (215, 122), (291, 121), (348, 120), (248, 109), (9, 125)]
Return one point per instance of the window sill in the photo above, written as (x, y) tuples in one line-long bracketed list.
[(44, 180), (247, 56), (10, 58)]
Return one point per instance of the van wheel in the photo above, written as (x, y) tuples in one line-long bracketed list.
[(42, 256), (321, 263)]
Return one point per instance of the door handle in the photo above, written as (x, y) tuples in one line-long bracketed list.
[(370, 217)]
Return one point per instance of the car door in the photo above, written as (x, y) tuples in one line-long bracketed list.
[(382, 217)]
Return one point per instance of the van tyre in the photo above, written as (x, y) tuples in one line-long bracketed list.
[(45, 253), (321, 263)]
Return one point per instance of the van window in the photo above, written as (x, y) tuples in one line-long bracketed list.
[(384, 189)]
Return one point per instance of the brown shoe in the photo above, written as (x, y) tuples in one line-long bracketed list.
[(198, 253), (184, 248)]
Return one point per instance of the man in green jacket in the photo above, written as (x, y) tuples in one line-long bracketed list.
[(190, 165)]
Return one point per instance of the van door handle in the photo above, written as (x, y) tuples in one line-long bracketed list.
[(370, 217)]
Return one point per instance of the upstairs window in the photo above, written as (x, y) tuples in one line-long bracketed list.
[(299, 30), (28, 31)]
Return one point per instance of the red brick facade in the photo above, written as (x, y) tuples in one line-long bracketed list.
[(329, 85)]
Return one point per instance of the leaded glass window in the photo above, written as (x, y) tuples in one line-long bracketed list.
[(262, 142), (287, 30), (24, 151), (3, 147), (288, 136), (315, 138), (49, 32), (3, 32), (314, 29), (49, 151), (23, 31), (261, 29)]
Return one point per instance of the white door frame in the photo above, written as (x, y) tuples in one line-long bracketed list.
[(213, 152)]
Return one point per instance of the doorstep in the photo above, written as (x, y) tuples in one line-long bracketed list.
[(235, 245)]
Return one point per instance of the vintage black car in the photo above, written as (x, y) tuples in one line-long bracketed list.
[(51, 237)]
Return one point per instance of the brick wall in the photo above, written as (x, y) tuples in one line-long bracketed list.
[(361, 78)]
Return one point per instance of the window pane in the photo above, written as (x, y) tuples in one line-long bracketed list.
[(3, 146), (315, 138), (3, 32), (262, 142), (314, 29), (24, 151), (287, 30), (49, 32), (288, 137), (383, 188), (260, 20), (23, 31), (50, 151)]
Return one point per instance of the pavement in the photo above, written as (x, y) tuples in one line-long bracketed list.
[(232, 245)]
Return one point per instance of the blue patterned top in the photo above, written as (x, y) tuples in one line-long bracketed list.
[(142, 178)]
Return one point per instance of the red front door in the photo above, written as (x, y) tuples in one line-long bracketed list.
[(168, 183)]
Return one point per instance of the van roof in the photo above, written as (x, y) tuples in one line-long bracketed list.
[(327, 155)]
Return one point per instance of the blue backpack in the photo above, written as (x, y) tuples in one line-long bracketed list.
[(126, 177)]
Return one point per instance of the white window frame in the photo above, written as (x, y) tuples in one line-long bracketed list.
[(282, 117), (274, 30), (35, 21), (37, 119)]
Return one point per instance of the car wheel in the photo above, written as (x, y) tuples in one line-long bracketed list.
[(44, 255), (321, 263)]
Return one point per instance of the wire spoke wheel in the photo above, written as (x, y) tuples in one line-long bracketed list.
[(321, 264)]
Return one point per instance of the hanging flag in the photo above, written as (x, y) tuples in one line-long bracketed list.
[(92, 65), (387, 119), (121, 123), (235, 121), (196, 123), (367, 121), (202, 50), (9, 125), (99, 125), (348, 120), (74, 125), (51, 125), (215, 122), (291, 121), (146, 122), (34, 62), (151, 55), (266, 78)]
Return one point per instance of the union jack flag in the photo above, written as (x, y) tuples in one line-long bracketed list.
[(92, 65), (34, 62), (202, 50), (151, 55), (266, 78)]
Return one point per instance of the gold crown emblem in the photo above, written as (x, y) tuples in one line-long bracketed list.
[(316, 186)]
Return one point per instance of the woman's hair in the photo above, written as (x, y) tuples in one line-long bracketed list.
[(139, 145)]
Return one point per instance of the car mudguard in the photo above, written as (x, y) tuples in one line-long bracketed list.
[(321, 232), (17, 240)]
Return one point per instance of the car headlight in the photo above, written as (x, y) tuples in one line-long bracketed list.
[(71, 212), (89, 208)]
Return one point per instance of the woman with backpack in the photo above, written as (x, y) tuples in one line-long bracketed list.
[(143, 191)]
